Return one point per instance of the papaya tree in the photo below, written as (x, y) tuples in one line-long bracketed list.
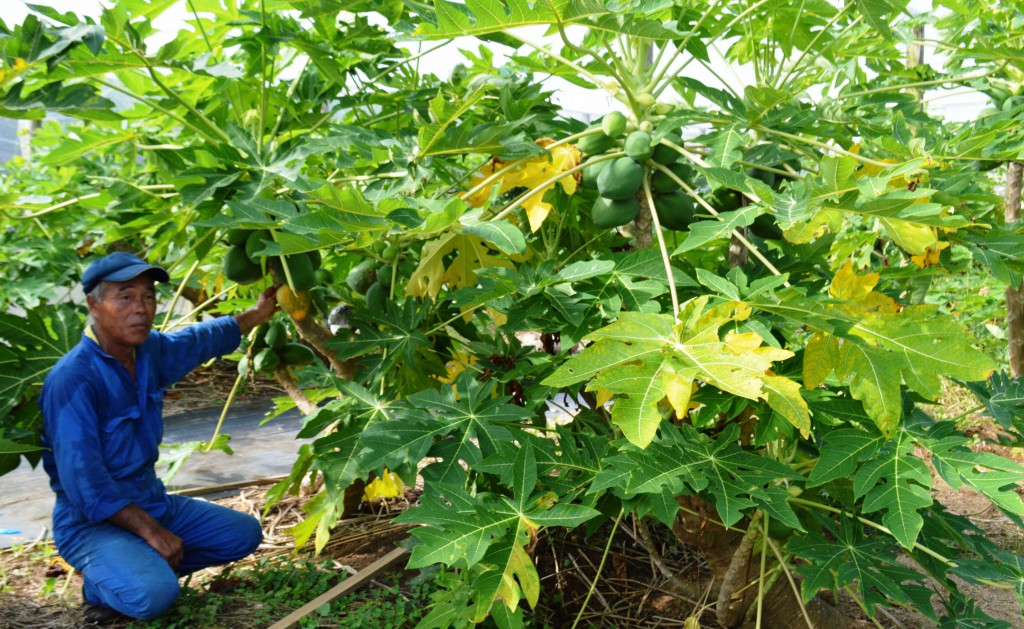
[(729, 277)]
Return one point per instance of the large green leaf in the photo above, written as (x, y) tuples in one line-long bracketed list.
[(34, 343)]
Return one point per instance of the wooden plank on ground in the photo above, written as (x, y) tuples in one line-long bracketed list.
[(353, 582), (202, 491)]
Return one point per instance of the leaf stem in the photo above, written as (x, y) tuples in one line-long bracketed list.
[(823, 146), (177, 294), (227, 405), (600, 567), (893, 88), (789, 577)]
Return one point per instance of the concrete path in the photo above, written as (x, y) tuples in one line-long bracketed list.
[(260, 452)]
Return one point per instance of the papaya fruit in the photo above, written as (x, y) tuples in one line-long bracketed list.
[(384, 275), (243, 366), (621, 179), (664, 154), (277, 335), (675, 210), (297, 354), (315, 259), (595, 143), (259, 338), (239, 268), (725, 200), (266, 361), (614, 212), (645, 99), (362, 276), (662, 183), (638, 146), (590, 174), (613, 124), (323, 276), (237, 236), (390, 253), (295, 304), (376, 296), (300, 268), (255, 243), (764, 226)]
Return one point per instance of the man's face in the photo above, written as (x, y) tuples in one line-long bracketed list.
[(125, 314)]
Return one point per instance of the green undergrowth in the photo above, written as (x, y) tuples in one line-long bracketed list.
[(264, 592)]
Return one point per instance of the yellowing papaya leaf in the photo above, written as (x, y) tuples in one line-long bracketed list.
[(803, 232), (848, 286), (820, 358), (913, 238), (432, 274), (785, 399), (678, 390), (930, 257), (535, 174)]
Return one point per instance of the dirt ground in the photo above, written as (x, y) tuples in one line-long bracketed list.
[(37, 589)]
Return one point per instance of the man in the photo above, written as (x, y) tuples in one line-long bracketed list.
[(102, 402)]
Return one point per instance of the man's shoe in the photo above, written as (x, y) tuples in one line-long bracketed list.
[(100, 615)]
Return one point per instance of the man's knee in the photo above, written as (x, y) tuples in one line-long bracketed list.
[(152, 601)]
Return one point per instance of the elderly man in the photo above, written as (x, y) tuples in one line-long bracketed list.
[(102, 402)]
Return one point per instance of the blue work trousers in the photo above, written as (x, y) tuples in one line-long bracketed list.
[(125, 573)]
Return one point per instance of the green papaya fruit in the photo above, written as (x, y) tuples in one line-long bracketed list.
[(621, 179), (725, 200), (664, 154), (390, 253), (243, 366), (237, 236), (315, 259), (255, 243), (362, 276), (406, 268), (297, 354), (384, 275), (376, 296), (266, 361), (613, 124), (276, 336), (675, 210), (300, 267), (662, 183), (764, 226), (323, 277), (591, 173), (239, 268), (259, 339), (595, 143), (638, 146), (614, 212)]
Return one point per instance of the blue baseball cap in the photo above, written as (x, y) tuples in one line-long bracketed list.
[(120, 266)]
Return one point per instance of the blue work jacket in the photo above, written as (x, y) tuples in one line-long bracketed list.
[(102, 428)]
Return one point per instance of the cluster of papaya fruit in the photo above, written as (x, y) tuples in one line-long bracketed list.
[(618, 180), (244, 264), (272, 348), (372, 277)]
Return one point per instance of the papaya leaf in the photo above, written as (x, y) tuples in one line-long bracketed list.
[(848, 557), (31, 346), (841, 453), (434, 274), (896, 481), (501, 234)]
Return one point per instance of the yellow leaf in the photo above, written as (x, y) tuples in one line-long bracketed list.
[(820, 358), (460, 362), (432, 275), (913, 238), (848, 286), (604, 396), (785, 399), (930, 257), (20, 65), (678, 390), (532, 173)]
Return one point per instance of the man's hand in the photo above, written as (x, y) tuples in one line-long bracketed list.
[(133, 518), (263, 311)]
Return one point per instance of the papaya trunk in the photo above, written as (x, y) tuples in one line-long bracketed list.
[(734, 566), (1014, 294)]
